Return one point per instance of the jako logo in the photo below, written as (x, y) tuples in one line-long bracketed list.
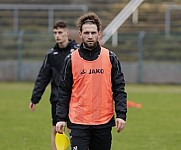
[(75, 148), (83, 71), (96, 71)]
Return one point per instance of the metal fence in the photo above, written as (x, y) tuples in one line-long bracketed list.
[(16, 13), (146, 56)]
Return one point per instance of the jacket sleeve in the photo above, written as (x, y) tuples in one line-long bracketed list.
[(65, 90), (118, 87), (43, 79)]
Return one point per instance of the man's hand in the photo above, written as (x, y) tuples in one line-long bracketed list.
[(32, 106), (60, 126), (120, 124)]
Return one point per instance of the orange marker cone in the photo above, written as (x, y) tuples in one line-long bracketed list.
[(133, 104)]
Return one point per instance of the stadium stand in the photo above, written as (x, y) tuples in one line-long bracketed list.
[(148, 55), (151, 20)]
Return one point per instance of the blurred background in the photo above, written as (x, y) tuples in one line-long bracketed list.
[(145, 35)]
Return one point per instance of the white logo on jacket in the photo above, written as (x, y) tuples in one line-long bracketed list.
[(75, 148)]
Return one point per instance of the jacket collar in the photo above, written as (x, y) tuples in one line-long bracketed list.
[(93, 50), (70, 43)]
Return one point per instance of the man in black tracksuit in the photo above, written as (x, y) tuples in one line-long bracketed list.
[(49, 71), (74, 108)]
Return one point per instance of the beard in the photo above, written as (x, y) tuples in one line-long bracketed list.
[(90, 45)]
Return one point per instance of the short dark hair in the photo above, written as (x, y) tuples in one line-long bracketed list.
[(90, 17), (60, 24)]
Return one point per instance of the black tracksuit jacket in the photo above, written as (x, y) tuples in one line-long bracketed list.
[(66, 82), (50, 71)]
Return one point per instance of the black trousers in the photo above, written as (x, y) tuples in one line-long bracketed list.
[(91, 138)]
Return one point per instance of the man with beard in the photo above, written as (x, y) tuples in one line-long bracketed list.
[(92, 85)]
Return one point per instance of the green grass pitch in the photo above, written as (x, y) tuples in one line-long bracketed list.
[(156, 126)]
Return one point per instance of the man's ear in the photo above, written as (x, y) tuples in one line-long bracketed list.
[(67, 31), (100, 37), (80, 34), (99, 34)]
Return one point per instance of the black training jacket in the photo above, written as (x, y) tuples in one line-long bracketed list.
[(50, 71), (66, 82)]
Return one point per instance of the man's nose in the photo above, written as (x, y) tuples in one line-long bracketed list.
[(90, 35)]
